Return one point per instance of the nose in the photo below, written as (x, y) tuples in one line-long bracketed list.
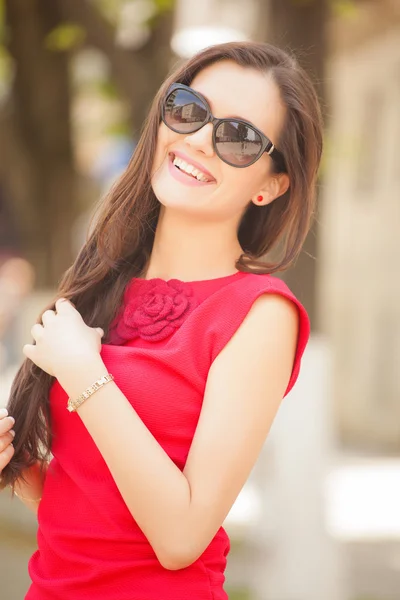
[(201, 140)]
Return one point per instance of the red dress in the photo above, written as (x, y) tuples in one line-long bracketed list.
[(162, 344)]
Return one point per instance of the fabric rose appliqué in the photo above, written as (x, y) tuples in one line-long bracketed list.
[(153, 310)]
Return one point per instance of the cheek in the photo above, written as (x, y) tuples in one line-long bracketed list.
[(165, 138), (247, 181)]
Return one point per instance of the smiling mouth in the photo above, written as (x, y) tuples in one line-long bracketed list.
[(189, 169)]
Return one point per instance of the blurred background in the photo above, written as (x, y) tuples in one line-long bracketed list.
[(320, 516)]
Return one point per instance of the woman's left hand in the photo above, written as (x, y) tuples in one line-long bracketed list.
[(64, 341)]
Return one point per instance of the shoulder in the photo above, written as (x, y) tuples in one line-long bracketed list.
[(272, 320), (273, 308), (269, 329), (266, 319), (273, 304), (270, 299), (266, 299)]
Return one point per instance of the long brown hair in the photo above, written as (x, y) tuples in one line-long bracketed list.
[(120, 241)]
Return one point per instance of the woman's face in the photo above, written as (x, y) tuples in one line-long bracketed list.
[(231, 91)]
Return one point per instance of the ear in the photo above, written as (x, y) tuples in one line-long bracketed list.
[(276, 186)]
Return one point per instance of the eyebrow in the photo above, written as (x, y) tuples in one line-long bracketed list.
[(229, 116)]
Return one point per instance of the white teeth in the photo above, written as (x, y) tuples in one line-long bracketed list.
[(190, 169)]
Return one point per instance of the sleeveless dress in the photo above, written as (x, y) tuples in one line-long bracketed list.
[(161, 346)]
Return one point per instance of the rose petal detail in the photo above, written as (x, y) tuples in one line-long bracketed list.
[(153, 310)]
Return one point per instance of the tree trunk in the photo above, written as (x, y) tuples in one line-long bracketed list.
[(41, 177), (136, 73)]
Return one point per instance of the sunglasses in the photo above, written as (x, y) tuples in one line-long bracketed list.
[(236, 141)]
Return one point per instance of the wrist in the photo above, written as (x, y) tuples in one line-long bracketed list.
[(75, 380)]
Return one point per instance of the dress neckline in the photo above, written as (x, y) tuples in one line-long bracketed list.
[(224, 278), (154, 308)]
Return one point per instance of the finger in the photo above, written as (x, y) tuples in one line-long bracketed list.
[(6, 424), (5, 441), (62, 304), (47, 316), (29, 351), (3, 413), (6, 456), (37, 331)]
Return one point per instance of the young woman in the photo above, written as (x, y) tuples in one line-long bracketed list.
[(169, 299)]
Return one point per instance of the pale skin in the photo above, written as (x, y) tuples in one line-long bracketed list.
[(180, 512)]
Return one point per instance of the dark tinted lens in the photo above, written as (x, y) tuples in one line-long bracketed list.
[(237, 143), (184, 112)]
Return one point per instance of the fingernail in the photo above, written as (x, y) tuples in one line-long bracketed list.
[(12, 432), (12, 419), (3, 412)]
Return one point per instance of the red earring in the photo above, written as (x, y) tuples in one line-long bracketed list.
[(260, 198)]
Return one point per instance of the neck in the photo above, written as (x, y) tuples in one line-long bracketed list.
[(187, 249)]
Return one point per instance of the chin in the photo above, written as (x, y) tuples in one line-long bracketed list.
[(174, 195), (173, 200)]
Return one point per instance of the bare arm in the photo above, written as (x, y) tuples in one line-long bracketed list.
[(180, 512)]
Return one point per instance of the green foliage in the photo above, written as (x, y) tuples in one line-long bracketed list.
[(346, 9), (5, 58), (2, 20), (341, 8), (5, 68), (239, 594), (121, 128), (164, 5), (108, 89), (109, 9), (65, 37)]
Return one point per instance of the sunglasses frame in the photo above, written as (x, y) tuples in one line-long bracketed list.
[(267, 145)]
